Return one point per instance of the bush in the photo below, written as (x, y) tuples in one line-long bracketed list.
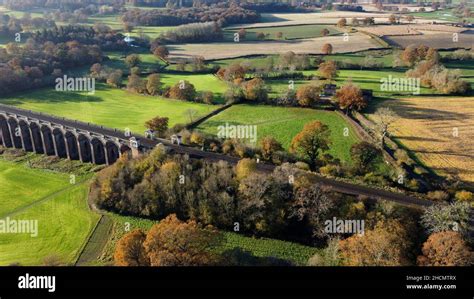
[(437, 195), (464, 195)]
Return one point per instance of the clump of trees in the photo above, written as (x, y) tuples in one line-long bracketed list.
[(157, 185), (446, 248), (195, 32), (350, 97), (223, 13)]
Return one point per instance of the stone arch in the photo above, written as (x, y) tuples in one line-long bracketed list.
[(26, 135), (59, 143), (5, 132), (84, 146), (98, 152), (113, 152), (36, 138), (15, 132), (71, 145), (48, 142)]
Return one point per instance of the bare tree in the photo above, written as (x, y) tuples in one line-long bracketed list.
[(384, 118)]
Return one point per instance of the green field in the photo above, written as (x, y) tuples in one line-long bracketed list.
[(289, 32), (444, 15), (283, 123), (115, 108), (64, 219), (260, 247)]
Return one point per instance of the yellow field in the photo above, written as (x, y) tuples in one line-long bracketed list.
[(440, 131)]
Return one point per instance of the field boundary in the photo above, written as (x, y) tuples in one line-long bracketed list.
[(88, 251), (202, 119)]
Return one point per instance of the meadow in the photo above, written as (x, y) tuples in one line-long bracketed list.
[(64, 219), (283, 123), (111, 107), (260, 247), (289, 32)]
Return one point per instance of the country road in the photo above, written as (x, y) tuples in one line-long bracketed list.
[(336, 185)]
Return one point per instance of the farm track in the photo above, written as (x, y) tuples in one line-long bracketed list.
[(96, 242)]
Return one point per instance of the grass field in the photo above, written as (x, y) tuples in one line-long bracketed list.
[(110, 107), (427, 126), (260, 247), (64, 220), (289, 32), (284, 123)]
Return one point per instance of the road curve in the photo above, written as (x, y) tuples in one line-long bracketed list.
[(336, 185)]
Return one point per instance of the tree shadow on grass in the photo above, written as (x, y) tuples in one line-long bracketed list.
[(51, 96), (240, 257)]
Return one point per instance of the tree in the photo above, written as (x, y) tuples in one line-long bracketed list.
[(127, 27), (129, 250), (311, 141), (172, 242), (385, 245), (279, 35), (255, 90), (384, 117), (392, 19), (327, 49), (183, 90), (453, 217), (245, 167), (269, 146), (342, 22), (410, 18), (364, 154), (446, 249), (115, 78), (207, 97), (355, 22), (369, 21), (158, 124), (136, 84), (242, 33), (328, 69), (307, 95), (153, 84), (260, 35), (132, 60), (325, 32), (350, 97), (161, 52)]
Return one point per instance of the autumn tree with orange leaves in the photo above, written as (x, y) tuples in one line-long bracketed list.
[(169, 243), (328, 69), (129, 250), (350, 97), (311, 142), (446, 249)]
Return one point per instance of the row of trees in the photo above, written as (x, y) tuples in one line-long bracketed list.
[(196, 32), (222, 13)]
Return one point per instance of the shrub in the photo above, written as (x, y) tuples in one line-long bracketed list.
[(437, 195)]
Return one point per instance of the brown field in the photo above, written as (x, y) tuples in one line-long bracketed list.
[(434, 39), (356, 42), (411, 29), (427, 126), (330, 17)]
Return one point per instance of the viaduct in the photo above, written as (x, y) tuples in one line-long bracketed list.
[(43, 134), (75, 140)]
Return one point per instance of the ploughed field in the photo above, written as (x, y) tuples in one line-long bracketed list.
[(438, 130), (222, 50)]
